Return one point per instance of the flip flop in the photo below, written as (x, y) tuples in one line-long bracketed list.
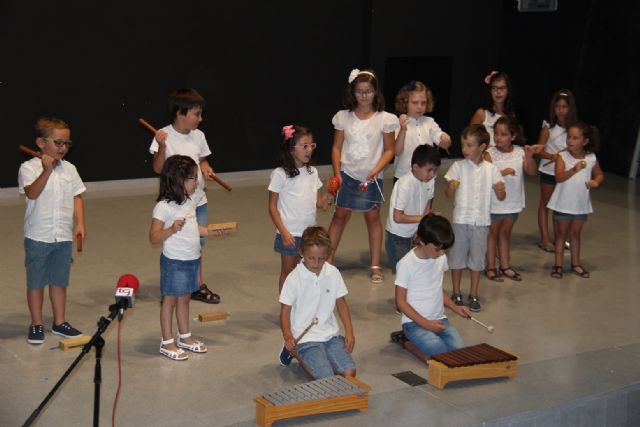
[(204, 294)]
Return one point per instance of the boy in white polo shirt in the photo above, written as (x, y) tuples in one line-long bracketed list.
[(312, 291), (471, 182), (419, 293), (411, 199), (53, 189)]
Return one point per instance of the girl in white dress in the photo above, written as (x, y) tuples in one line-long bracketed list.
[(577, 172)]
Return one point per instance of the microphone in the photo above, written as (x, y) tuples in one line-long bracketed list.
[(126, 290)]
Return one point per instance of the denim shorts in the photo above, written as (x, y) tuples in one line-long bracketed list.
[(561, 216), (47, 263), (396, 247), (350, 196), (202, 217), (324, 359), (279, 246), (502, 216), (545, 178), (178, 277), (429, 342)]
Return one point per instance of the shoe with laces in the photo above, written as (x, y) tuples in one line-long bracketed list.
[(36, 334), (457, 299), (474, 303), (65, 330), (285, 357)]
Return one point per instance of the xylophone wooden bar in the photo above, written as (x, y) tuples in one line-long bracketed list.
[(68, 343), (213, 315), (475, 362), (332, 394)]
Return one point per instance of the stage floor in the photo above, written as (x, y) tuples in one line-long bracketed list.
[(574, 337)]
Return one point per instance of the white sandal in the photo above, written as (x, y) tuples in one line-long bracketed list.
[(377, 275), (196, 347), (178, 354)]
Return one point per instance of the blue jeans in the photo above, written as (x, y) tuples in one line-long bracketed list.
[(396, 247), (325, 358), (431, 343)]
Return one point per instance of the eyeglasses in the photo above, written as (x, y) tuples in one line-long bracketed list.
[(498, 88), (307, 146), (60, 142), (364, 93), (194, 177)]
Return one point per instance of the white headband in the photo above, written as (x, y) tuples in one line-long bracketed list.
[(355, 73)]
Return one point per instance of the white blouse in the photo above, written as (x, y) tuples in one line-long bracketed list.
[(514, 184), (572, 196), (557, 141), (421, 131)]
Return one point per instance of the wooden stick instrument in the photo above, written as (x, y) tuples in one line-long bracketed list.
[(213, 315), (213, 176), (226, 227), (474, 362), (79, 242), (331, 394), (295, 354), (489, 328), (547, 163), (29, 151)]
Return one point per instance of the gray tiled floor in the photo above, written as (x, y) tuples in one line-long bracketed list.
[(575, 337)]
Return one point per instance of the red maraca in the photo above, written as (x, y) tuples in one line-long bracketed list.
[(333, 185)]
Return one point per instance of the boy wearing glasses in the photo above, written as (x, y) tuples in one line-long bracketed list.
[(54, 214), (183, 137)]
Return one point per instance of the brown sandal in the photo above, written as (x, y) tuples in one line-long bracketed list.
[(515, 276), (556, 272), (495, 276), (204, 294), (581, 272)]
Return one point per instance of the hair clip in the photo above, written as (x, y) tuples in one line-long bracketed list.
[(355, 73), (487, 79), (288, 132), (563, 94)]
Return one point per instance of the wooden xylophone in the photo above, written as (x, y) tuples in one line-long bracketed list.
[(474, 362), (331, 394)]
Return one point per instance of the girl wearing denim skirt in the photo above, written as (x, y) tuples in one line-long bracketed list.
[(362, 147), (174, 225)]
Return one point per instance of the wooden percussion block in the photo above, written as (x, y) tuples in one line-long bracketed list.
[(227, 227), (68, 343), (213, 315), (267, 413)]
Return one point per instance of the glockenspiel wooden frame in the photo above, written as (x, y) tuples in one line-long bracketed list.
[(267, 413)]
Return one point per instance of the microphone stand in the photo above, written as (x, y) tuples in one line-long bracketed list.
[(98, 342)]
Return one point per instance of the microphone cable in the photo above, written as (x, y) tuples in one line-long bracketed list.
[(115, 399)]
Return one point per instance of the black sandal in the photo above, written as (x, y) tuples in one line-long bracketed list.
[(515, 276), (495, 276), (204, 294), (556, 272), (582, 273)]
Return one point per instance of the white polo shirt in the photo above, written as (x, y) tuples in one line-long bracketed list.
[(411, 196), (422, 278), (472, 203), (49, 218), (311, 295), (194, 145)]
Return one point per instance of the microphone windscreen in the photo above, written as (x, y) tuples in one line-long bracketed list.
[(129, 281)]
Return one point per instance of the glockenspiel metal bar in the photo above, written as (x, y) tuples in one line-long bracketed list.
[(314, 390)]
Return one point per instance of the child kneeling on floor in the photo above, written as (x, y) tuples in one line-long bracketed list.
[(312, 291), (419, 293)]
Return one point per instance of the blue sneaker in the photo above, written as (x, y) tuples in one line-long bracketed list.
[(285, 356), (36, 334), (65, 330)]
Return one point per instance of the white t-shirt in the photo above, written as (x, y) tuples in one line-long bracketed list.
[(422, 278), (311, 295), (363, 145), (572, 196), (411, 196), (490, 119), (49, 218), (557, 141), (194, 145), (421, 131), (185, 244), (296, 198), (514, 185), (472, 204)]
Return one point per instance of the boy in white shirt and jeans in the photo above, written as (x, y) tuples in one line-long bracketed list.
[(312, 291), (471, 182), (411, 199), (53, 189)]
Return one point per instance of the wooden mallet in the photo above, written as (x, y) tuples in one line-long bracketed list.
[(213, 176), (37, 154), (489, 328), (295, 354)]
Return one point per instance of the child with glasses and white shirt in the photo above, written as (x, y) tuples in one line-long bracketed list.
[(54, 214)]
